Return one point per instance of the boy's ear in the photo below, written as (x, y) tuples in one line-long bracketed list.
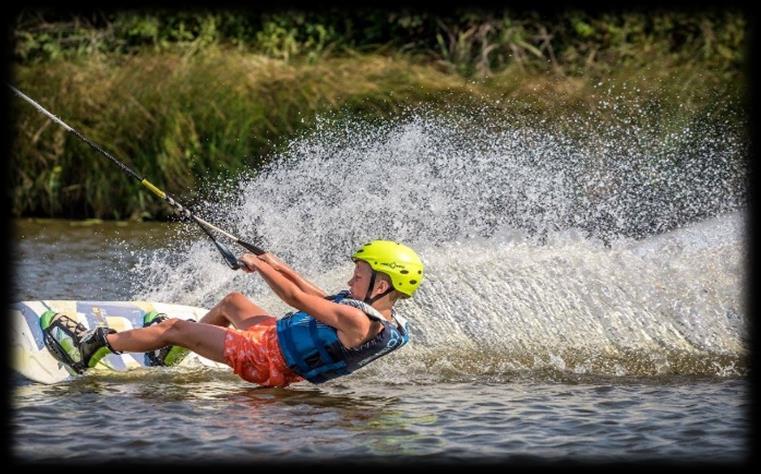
[(384, 285)]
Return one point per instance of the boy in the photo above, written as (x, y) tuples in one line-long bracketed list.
[(328, 337)]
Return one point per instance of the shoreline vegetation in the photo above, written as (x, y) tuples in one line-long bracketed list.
[(191, 99)]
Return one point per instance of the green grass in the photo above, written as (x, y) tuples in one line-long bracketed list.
[(190, 121)]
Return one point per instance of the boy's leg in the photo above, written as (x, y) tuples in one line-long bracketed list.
[(236, 309), (204, 339)]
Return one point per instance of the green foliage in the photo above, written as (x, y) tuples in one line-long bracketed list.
[(284, 36), (197, 96), (471, 42)]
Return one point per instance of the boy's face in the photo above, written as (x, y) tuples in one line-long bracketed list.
[(359, 280)]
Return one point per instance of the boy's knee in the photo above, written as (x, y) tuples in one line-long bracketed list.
[(174, 327), (235, 298)]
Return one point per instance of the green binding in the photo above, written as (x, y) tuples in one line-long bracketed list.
[(72, 343), (167, 355)]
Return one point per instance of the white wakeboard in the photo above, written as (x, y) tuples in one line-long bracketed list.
[(32, 359)]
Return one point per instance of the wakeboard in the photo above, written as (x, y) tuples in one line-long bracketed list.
[(31, 358)]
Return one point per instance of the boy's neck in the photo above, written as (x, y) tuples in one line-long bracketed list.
[(384, 307)]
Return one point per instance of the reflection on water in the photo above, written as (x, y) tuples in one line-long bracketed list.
[(222, 419), (61, 259)]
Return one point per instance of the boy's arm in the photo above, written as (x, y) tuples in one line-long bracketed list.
[(303, 284), (347, 319)]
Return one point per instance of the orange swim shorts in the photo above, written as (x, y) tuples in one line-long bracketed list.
[(254, 354)]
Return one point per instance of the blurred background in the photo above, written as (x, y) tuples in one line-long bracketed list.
[(196, 96)]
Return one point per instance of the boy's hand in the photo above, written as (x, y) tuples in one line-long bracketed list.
[(271, 259), (250, 261)]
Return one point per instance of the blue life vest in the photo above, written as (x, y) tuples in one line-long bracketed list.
[(312, 349)]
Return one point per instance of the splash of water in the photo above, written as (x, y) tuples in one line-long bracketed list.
[(615, 252)]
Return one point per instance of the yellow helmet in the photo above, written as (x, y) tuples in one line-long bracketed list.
[(396, 260)]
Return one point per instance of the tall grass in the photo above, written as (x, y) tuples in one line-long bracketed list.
[(179, 119), (189, 100)]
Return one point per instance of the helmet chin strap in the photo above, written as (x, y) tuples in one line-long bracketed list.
[(372, 300)]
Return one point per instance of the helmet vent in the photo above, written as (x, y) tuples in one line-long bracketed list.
[(412, 282), (403, 272)]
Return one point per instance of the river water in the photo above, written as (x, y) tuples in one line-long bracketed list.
[(578, 306)]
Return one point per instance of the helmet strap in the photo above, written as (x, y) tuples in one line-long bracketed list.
[(375, 298)]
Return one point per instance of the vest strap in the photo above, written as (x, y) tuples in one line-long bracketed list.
[(326, 359)]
